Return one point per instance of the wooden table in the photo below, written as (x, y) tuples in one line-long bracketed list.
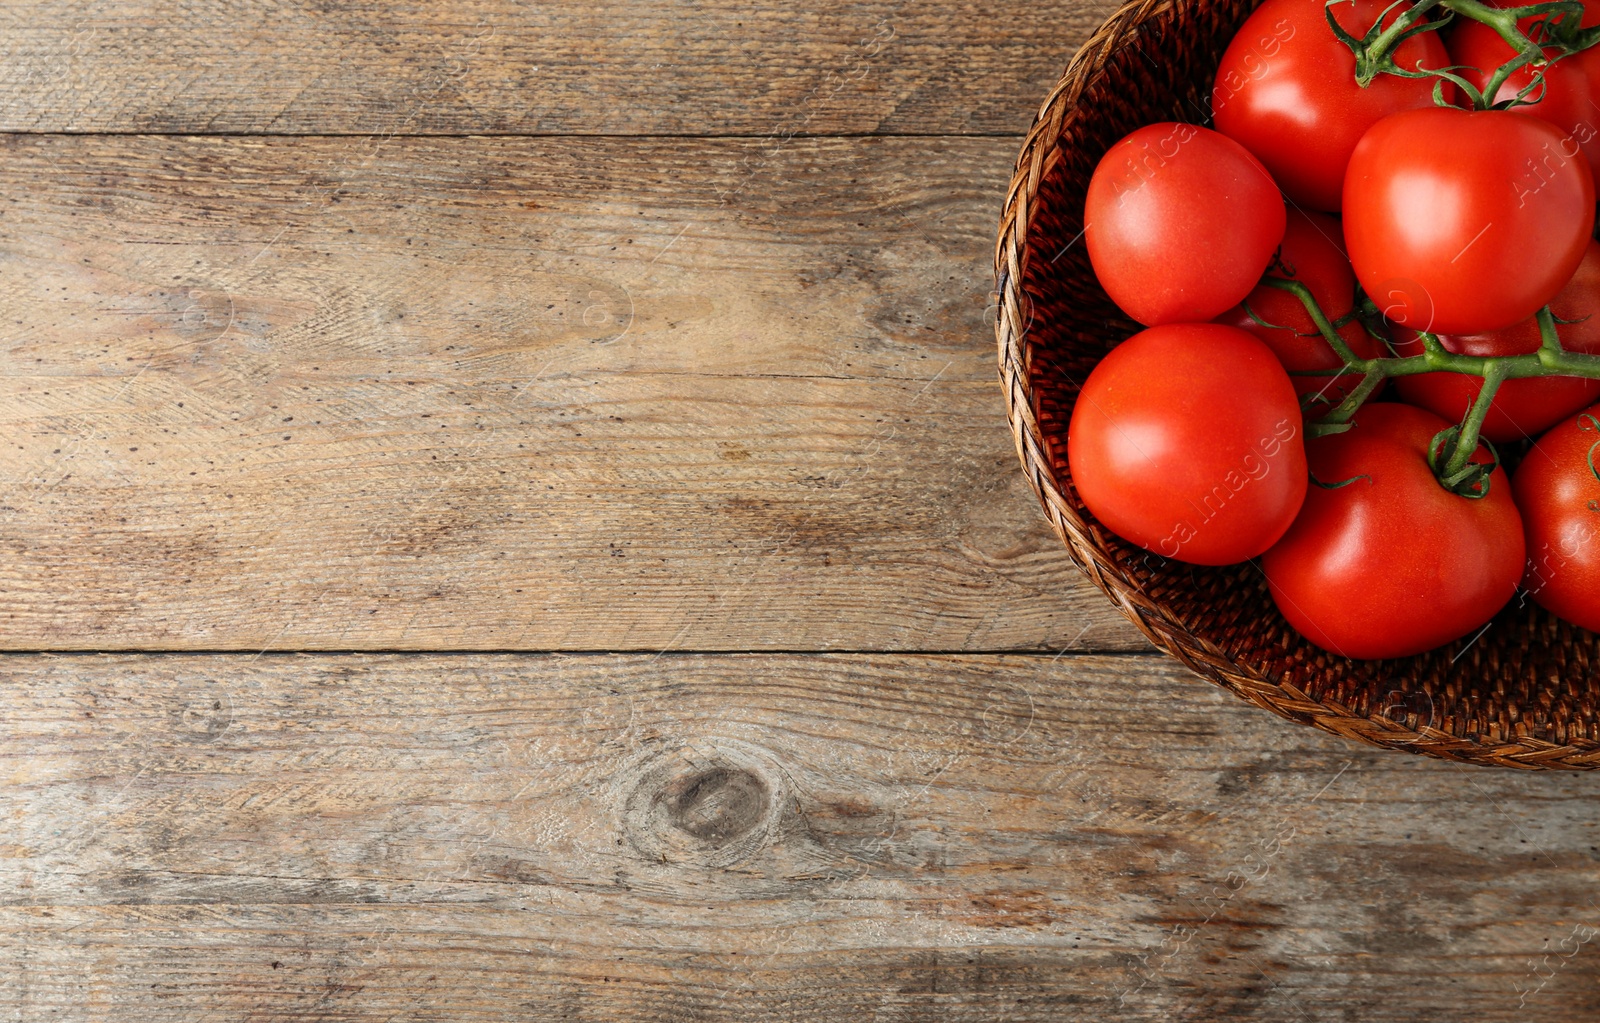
[(508, 516)]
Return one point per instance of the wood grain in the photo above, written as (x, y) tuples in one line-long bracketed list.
[(639, 393), (758, 837), (714, 67), (513, 394)]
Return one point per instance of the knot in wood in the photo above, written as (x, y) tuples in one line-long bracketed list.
[(717, 805), (708, 806)]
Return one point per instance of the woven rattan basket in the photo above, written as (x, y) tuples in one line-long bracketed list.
[(1524, 693)]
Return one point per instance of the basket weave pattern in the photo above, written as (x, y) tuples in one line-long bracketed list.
[(1524, 693)]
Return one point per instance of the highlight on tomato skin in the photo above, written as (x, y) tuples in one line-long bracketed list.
[(1382, 560), (1186, 440), (1559, 495), (1520, 408), (1286, 91), (1180, 222), (1463, 222), (1312, 253)]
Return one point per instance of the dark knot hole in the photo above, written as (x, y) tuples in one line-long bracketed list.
[(717, 805)]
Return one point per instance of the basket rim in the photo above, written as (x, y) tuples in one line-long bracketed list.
[(1040, 152)]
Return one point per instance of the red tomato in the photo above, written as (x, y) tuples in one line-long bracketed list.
[(1521, 408), (1186, 441), (1559, 495), (1286, 90), (1180, 223), (1463, 222), (1313, 254), (1571, 85), (1393, 564)]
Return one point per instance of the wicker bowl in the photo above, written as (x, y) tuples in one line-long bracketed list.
[(1523, 693)]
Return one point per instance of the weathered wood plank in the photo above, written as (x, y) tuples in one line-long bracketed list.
[(512, 394), (490, 66), (758, 837)]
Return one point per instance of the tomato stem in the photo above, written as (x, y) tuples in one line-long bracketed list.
[(1504, 22), (1549, 338), (1550, 360), (1466, 442), (1374, 52), (1559, 30), (1587, 422), (1338, 420), (1457, 473), (1472, 479), (1318, 317)]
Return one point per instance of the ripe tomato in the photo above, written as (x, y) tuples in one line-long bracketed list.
[(1393, 564), (1463, 222), (1571, 85), (1286, 90), (1180, 223), (1186, 440), (1521, 408), (1313, 254), (1559, 495)]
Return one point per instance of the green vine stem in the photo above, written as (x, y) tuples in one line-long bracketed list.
[(1587, 421), (1559, 29), (1472, 479), (1550, 360), (1557, 32), (1455, 472), (1466, 440)]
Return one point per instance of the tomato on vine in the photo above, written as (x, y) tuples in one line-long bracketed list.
[(1286, 90), (1571, 85), (1461, 269), (1186, 440), (1558, 491), (1383, 561), (1462, 222)]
